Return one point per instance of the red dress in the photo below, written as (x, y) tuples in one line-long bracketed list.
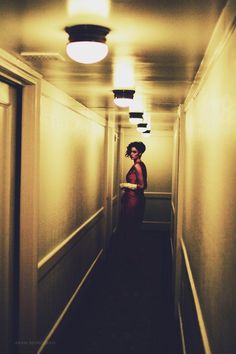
[(133, 201), (129, 241)]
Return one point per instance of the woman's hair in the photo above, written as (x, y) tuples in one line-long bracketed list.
[(138, 145)]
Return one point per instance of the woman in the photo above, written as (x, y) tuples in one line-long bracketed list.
[(133, 200), (126, 248)]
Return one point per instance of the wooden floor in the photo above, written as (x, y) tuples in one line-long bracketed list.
[(128, 307)]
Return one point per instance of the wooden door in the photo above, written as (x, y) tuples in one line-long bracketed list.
[(9, 213)]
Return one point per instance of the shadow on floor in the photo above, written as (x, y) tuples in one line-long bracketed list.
[(128, 308)]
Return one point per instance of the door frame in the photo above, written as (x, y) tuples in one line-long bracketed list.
[(11, 207), (19, 73)]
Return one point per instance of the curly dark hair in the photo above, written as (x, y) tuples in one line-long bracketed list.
[(138, 145)]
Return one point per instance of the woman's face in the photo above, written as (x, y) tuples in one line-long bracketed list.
[(134, 153)]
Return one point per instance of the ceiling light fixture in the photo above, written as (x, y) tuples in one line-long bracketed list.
[(87, 43), (123, 98), (146, 132), (141, 127), (135, 117)]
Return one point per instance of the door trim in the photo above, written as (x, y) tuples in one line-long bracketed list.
[(18, 72)]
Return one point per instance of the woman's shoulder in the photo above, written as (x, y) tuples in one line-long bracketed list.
[(140, 165)]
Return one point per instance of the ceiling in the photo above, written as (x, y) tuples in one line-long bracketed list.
[(159, 44)]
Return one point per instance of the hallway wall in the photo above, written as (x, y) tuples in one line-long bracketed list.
[(71, 200), (68, 202), (208, 288)]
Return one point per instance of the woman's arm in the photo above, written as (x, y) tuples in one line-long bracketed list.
[(140, 178)]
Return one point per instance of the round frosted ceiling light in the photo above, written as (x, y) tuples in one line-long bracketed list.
[(87, 52), (135, 117), (87, 43), (123, 102), (141, 127), (146, 132), (123, 98)]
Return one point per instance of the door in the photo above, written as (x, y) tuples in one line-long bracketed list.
[(9, 213)]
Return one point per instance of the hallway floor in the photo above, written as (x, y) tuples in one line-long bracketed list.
[(126, 311)]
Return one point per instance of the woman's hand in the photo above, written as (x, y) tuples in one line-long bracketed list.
[(131, 186)]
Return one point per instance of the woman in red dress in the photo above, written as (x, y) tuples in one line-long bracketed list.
[(126, 249), (133, 200)]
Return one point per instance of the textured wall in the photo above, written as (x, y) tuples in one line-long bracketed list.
[(71, 201), (210, 198), (71, 172)]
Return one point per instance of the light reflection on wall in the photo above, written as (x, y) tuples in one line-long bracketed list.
[(98, 7)]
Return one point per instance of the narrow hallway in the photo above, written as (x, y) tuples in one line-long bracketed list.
[(126, 311), (165, 81)]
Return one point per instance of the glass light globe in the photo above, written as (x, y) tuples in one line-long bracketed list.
[(135, 120), (146, 133), (123, 102), (141, 127), (136, 117), (87, 52)]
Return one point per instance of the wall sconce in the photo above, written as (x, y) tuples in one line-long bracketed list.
[(87, 43), (135, 117), (141, 127), (123, 98)]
